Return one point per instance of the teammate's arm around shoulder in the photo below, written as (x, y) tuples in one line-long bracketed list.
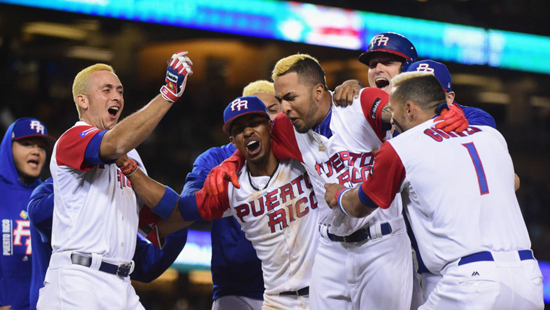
[(131, 131), (345, 93)]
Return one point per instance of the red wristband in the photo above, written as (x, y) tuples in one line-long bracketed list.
[(130, 168)]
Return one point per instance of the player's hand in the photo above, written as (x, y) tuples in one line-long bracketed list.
[(452, 119), (121, 162), (179, 68), (218, 176), (330, 194), (345, 93)]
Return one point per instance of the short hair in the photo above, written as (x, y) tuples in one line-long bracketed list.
[(258, 87), (80, 84), (308, 69), (423, 88)]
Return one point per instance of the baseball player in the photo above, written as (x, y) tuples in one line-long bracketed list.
[(236, 269), (150, 261), (474, 234), (95, 217), (336, 143), (276, 206), (22, 157)]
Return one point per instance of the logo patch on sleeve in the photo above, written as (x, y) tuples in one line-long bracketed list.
[(374, 108)]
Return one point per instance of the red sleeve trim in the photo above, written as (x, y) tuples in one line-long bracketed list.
[(373, 101), (283, 138), (71, 147), (386, 177)]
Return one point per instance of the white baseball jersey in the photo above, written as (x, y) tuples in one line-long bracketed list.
[(96, 209), (346, 158), (281, 222), (458, 189)]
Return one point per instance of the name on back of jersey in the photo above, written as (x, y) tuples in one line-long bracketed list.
[(283, 205), (440, 135)]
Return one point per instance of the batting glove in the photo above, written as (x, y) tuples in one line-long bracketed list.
[(452, 119), (179, 68), (226, 171)]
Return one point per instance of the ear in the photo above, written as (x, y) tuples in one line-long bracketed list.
[(410, 109), (318, 91), (82, 102), (450, 97), (232, 141)]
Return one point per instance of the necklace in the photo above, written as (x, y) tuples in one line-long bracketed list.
[(266, 184), (319, 140)]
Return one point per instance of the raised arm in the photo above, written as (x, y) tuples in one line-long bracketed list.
[(131, 131)]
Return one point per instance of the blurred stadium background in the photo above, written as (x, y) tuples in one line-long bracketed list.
[(497, 51)]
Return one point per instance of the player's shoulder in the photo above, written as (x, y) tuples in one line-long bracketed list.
[(369, 94), (80, 129)]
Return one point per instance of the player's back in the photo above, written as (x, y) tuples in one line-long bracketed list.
[(460, 188)]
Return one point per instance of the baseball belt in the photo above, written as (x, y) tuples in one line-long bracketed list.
[(301, 292), (361, 234), (121, 271), (488, 256)]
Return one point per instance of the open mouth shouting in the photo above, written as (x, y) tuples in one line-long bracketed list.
[(382, 82), (113, 111), (253, 147)]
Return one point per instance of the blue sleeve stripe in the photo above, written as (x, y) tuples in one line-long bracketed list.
[(91, 156), (166, 204), (340, 201), (365, 199), (188, 208)]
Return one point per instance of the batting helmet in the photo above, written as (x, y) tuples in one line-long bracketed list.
[(394, 43)]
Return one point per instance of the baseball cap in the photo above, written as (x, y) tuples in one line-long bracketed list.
[(27, 127), (438, 69), (242, 106)]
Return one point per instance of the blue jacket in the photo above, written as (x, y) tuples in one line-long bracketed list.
[(150, 262), (15, 259), (236, 269)]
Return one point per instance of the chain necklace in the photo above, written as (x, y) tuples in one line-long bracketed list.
[(319, 140), (266, 184)]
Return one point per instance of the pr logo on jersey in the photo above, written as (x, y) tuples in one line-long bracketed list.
[(238, 104), (380, 39), (87, 131)]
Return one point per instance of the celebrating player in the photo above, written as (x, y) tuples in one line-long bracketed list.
[(150, 262), (95, 217), (22, 157), (473, 235), (236, 269)]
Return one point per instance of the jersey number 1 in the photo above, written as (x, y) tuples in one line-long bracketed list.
[(482, 180)]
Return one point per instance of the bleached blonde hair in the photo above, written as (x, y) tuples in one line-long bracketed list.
[(308, 69), (258, 87), (80, 84)]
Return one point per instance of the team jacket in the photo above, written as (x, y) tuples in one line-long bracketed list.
[(236, 269), (16, 259)]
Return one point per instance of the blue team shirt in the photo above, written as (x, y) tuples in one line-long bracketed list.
[(236, 269), (16, 255), (150, 262)]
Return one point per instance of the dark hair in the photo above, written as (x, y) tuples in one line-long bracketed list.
[(424, 90)]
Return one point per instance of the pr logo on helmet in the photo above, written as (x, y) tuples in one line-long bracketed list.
[(380, 39), (425, 68), (238, 104)]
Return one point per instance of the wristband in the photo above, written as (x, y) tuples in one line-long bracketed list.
[(130, 168), (166, 204), (338, 196)]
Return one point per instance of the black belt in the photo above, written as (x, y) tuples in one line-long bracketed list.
[(122, 270), (487, 256), (360, 235), (301, 292)]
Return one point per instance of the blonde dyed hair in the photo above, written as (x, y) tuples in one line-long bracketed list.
[(308, 68), (259, 87), (423, 88), (80, 84)]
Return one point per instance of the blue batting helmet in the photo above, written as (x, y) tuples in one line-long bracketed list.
[(394, 43)]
